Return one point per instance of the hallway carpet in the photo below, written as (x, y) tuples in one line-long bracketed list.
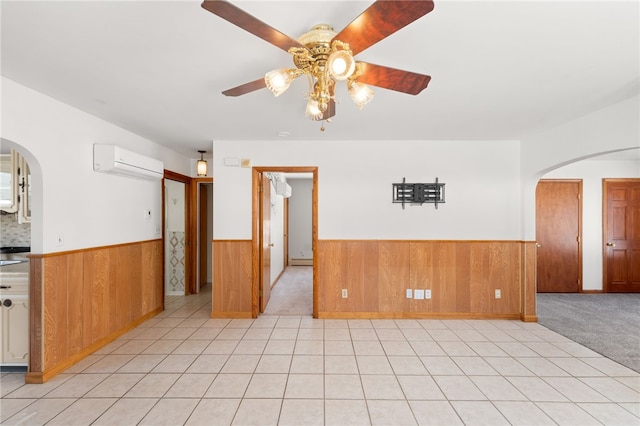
[(293, 293)]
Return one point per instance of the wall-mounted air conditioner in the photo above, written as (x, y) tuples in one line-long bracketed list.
[(283, 188), (116, 160)]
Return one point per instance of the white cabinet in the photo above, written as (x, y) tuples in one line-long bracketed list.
[(24, 190), (15, 330), (8, 182), (14, 319), (15, 186)]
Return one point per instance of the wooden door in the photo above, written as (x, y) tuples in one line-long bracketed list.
[(265, 220), (621, 217), (558, 229)]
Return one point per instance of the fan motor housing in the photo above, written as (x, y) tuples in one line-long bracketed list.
[(318, 44)]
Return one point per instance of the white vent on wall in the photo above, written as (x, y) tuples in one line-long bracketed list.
[(116, 160)]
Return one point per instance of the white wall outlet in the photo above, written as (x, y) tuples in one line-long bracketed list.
[(345, 293), (59, 240), (498, 293), (409, 293), (427, 294), (418, 294)]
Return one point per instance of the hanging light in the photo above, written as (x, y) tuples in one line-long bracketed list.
[(201, 165), (278, 81), (325, 61), (341, 64), (360, 93), (313, 110)]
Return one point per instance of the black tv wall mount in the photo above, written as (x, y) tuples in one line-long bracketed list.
[(418, 193)]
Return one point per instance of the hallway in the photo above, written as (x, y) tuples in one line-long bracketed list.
[(293, 293), (182, 367)]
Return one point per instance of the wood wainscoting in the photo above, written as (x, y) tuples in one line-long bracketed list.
[(232, 279), (81, 300), (462, 277)]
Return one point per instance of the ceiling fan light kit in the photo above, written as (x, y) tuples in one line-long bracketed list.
[(327, 57)]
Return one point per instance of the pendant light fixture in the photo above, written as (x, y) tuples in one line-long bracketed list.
[(201, 165)]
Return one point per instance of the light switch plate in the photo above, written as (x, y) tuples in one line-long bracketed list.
[(409, 294), (418, 294), (427, 294)]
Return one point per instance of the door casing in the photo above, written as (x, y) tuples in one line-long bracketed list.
[(256, 231), (608, 237)]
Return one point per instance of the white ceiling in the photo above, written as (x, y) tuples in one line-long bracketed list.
[(500, 70)]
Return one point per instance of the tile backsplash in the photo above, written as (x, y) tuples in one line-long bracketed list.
[(13, 233)]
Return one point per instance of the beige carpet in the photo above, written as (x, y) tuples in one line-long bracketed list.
[(293, 293)]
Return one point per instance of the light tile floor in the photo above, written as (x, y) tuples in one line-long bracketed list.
[(182, 367)]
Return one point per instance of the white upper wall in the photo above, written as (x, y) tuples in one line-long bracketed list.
[(355, 187), (70, 200), (616, 127)]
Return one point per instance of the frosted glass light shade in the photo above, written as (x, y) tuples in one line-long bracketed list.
[(278, 81), (313, 110), (360, 93), (341, 64), (201, 167)]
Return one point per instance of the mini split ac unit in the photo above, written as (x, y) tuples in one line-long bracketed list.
[(283, 188), (116, 160)]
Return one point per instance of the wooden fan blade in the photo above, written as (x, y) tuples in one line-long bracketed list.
[(246, 88), (393, 79), (247, 22), (380, 20)]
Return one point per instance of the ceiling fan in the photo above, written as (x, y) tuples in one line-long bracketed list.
[(326, 56)]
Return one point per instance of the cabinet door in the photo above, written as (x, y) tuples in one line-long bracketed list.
[(24, 191), (15, 330), (8, 184)]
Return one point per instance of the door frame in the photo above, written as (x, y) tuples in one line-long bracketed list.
[(196, 230), (256, 231), (605, 193), (189, 251)]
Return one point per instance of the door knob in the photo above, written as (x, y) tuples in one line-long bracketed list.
[(538, 245), (611, 244), (7, 303), (271, 245)]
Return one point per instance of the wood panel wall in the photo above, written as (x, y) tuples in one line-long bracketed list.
[(462, 277), (232, 279), (82, 300)]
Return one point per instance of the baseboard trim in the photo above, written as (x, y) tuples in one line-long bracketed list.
[(592, 291), (301, 262), (414, 315), (232, 315), (39, 377), (529, 318)]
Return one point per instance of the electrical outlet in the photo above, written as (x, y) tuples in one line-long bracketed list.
[(345, 293), (427, 294), (409, 294), (498, 293), (60, 240), (418, 294)]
